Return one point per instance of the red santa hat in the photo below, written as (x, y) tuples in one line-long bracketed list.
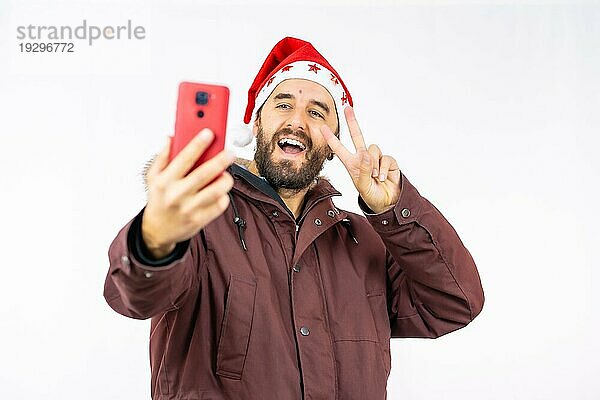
[(293, 58)]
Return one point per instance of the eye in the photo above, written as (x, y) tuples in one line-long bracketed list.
[(316, 114), (283, 106)]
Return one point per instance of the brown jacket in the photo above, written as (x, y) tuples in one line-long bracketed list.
[(263, 308)]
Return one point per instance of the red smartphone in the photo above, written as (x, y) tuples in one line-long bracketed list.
[(199, 106)]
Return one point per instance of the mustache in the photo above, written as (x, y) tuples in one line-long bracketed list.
[(298, 133)]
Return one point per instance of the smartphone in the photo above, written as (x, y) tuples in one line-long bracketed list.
[(199, 106)]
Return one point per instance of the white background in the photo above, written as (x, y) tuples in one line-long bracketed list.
[(490, 108)]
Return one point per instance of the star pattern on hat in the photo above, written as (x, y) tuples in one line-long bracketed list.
[(281, 64), (314, 68)]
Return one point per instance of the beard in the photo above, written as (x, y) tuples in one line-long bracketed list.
[(284, 174)]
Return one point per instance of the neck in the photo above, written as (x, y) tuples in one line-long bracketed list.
[(293, 198)]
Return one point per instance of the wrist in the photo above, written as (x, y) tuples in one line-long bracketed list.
[(155, 247), (381, 210), (373, 208), (159, 252)]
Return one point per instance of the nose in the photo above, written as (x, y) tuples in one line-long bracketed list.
[(296, 120)]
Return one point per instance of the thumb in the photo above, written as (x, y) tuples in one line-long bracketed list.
[(161, 160), (365, 170)]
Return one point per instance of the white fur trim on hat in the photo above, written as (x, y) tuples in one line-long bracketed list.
[(311, 71)]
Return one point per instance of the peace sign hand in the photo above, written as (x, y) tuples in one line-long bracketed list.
[(375, 176)]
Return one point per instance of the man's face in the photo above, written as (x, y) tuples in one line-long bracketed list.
[(290, 150)]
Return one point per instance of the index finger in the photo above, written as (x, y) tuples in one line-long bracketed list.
[(185, 159), (355, 132), (336, 145)]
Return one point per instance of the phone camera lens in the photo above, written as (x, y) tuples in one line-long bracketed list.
[(201, 98), (200, 114)]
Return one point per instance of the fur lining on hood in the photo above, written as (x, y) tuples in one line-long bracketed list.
[(238, 160)]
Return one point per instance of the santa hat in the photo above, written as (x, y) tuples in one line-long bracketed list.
[(293, 58)]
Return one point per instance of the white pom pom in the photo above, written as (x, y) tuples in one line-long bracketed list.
[(242, 136)]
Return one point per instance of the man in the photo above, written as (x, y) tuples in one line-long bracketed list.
[(258, 286)]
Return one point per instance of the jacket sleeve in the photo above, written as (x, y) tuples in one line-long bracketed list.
[(141, 287), (434, 286)]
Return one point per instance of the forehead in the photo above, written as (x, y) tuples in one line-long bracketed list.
[(303, 88)]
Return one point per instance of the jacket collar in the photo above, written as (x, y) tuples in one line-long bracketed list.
[(318, 215), (255, 187)]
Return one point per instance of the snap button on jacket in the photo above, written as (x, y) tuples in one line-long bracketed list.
[(274, 308)]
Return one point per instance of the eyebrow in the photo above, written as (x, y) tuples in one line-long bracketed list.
[(280, 96), (320, 104)]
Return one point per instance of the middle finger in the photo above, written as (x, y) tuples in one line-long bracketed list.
[(207, 172), (355, 132)]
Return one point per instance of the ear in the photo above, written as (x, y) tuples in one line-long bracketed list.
[(255, 128)]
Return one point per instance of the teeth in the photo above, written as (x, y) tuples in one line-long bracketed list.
[(293, 142)]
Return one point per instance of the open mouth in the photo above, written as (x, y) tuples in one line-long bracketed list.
[(291, 146)]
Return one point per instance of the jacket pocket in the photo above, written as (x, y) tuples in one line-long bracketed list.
[(377, 301), (236, 327)]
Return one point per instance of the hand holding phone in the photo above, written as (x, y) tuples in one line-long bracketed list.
[(187, 183)]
